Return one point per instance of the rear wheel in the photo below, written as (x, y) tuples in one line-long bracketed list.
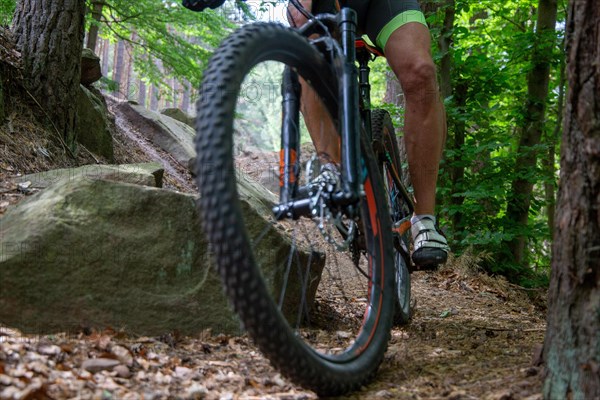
[(315, 294), (400, 206)]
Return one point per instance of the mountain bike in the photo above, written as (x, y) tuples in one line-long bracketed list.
[(317, 273)]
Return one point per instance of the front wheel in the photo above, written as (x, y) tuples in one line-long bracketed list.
[(317, 301)]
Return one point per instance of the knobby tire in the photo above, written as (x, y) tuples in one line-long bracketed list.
[(222, 217)]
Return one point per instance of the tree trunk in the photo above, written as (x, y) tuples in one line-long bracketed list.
[(445, 43), (154, 94), (458, 169), (185, 98), (105, 57), (92, 36), (550, 161), (118, 67), (393, 90), (537, 91), (142, 93), (394, 95), (49, 35), (127, 72), (1, 98), (572, 346)]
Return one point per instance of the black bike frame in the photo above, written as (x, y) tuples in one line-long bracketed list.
[(344, 60)]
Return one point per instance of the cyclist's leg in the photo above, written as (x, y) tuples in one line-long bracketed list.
[(405, 38), (317, 120), (424, 127), (409, 57)]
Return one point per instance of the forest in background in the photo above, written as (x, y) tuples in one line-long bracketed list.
[(501, 75)]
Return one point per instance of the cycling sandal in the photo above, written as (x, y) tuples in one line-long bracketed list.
[(430, 246)]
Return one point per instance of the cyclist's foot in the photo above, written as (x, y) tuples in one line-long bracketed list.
[(430, 246)]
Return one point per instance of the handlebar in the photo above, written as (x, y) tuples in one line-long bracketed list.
[(201, 5)]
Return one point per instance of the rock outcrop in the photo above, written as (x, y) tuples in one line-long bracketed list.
[(90, 67), (179, 115), (146, 174), (88, 252), (167, 133), (93, 124)]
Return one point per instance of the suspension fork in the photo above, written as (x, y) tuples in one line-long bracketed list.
[(289, 165), (349, 117), (289, 206)]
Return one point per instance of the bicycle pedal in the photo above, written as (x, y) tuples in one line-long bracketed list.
[(402, 226)]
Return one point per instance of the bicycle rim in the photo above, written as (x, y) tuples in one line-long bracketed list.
[(320, 314)]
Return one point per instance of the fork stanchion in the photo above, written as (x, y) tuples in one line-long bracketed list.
[(289, 164), (349, 117)]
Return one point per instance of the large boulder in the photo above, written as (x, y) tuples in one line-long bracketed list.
[(93, 125), (167, 133), (147, 174), (97, 253), (179, 115), (91, 71)]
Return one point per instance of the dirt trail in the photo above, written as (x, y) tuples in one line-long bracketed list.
[(472, 337)]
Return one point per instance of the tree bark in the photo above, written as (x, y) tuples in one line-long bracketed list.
[(118, 67), (445, 44), (2, 113), (394, 95), (127, 73), (174, 85), (460, 97), (550, 161), (458, 167), (572, 345), (393, 90), (49, 35), (186, 97), (537, 91), (142, 92), (105, 57), (154, 94), (92, 36)]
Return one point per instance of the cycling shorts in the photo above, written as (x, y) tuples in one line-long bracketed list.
[(377, 19)]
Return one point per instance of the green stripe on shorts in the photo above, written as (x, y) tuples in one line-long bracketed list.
[(399, 20)]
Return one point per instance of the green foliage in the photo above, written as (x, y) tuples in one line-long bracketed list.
[(165, 38), (494, 47), (7, 7)]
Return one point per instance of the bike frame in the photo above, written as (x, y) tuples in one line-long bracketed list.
[(351, 115), (349, 119)]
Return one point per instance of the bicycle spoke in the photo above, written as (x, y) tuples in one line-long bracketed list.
[(287, 271)]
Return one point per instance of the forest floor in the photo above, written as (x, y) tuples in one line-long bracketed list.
[(471, 337)]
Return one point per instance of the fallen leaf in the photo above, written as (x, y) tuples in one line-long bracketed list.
[(49, 350), (123, 355), (94, 365)]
